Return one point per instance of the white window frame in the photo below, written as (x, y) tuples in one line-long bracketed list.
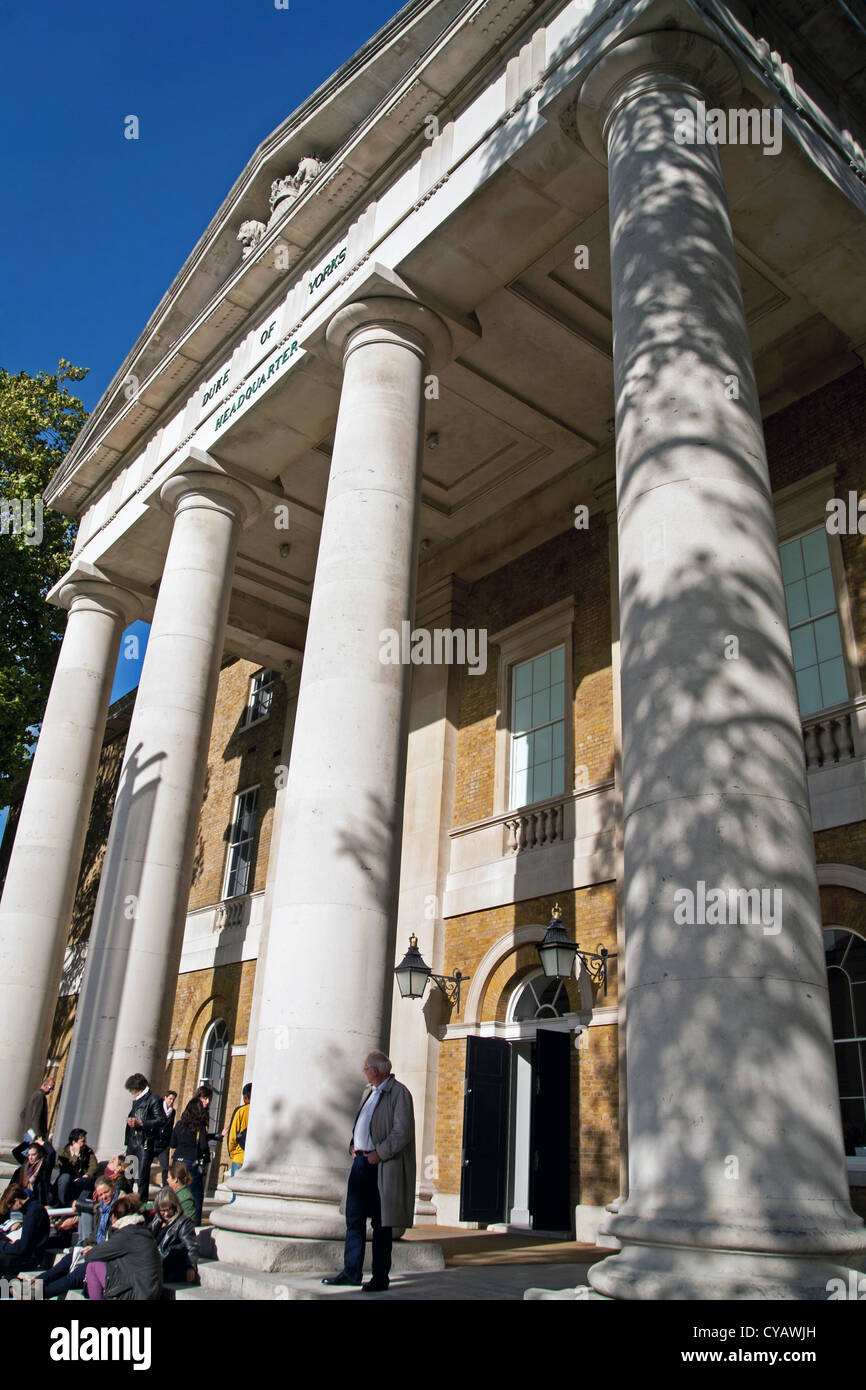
[(255, 692), (533, 636), (235, 821), (855, 1163), (800, 508), (215, 1111)]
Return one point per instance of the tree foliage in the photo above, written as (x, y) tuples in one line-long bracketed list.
[(39, 419)]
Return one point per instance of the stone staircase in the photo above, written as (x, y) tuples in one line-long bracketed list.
[(302, 1263)]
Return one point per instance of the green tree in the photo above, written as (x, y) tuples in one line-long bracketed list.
[(39, 419)]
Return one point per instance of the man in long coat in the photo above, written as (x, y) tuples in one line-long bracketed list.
[(382, 1177)]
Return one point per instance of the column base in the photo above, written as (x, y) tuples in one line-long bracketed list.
[(739, 1252), (281, 1218), (288, 1255), (658, 1273)]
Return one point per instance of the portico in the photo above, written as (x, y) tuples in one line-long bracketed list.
[(418, 363)]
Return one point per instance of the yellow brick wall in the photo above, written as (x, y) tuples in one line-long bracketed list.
[(573, 564), (594, 1089), (238, 758)]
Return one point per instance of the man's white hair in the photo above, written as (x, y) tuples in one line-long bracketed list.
[(379, 1062)]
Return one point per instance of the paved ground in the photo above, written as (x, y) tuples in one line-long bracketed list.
[(478, 1283)]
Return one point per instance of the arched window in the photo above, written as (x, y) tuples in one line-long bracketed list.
[(539, 998), (846, 975), (214, 1068)]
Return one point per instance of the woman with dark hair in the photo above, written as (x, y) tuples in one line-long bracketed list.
[(191, 1146), (175, 1239), (77, 1163), (37, 1163), (126, 1266), (26, 1250)]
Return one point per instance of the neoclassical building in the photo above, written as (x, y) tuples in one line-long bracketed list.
[(491, 471)]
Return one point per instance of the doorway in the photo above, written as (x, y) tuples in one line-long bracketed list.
[(516, 1129)]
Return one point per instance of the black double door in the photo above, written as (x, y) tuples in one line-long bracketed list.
[(483, 1189)]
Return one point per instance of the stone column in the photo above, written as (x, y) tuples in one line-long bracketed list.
[(292, 680), (43, 870), (737, 1182), (426, 856), (326, 993), (125, 1005)]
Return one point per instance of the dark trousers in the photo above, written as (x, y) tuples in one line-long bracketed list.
[(68, 1188), (163, 1158), (59, 1280), (144, 1158), (196, 1187), (362, 1201)]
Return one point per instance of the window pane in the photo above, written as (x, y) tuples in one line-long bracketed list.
[(803, 646), (848, 1069), (827, 638), (557, 701), (543, 745), (809, 690), (834, 686), (816, 556), (523, 680), (541, 782), (853, 1125), (795, 598), (855, 962), (523, 715), (835, 945), (541, 672), (558, 740), (520, 753), (557, 778), (540, 708), (557, 665), (520, 787), (822, 598), (840, 1004), (859, 1025), (792, 561)]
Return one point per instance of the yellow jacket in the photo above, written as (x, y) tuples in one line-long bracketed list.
[(240, 1120)]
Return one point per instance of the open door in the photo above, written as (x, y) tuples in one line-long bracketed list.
[(485, 1130), (549, 1198)]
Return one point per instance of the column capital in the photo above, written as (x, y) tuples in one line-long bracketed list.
[(389, 318), (669, 60), (202, 486), (89, 593)]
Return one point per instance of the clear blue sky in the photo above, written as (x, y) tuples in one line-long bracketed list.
[(96, 226)]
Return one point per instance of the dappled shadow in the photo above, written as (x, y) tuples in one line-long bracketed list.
[(108, 944)]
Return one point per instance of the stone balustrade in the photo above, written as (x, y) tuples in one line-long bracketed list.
[(829, 739), (535, 826)]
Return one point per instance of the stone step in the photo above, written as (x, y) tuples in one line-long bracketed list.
[(287, 1255), (228, 1281)]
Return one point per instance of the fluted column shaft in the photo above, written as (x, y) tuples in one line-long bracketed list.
[(737, 1183), (326, 995), (126, 1000), (43, 871)]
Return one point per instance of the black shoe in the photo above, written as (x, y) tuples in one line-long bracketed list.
[(372, 1286), (341, 1278)]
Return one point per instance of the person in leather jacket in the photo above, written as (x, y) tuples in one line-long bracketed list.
[(176, 1239), (144, 1128), (191, 1143)]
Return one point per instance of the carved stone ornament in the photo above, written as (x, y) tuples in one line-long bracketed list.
[(250, 235), (293, 185)]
